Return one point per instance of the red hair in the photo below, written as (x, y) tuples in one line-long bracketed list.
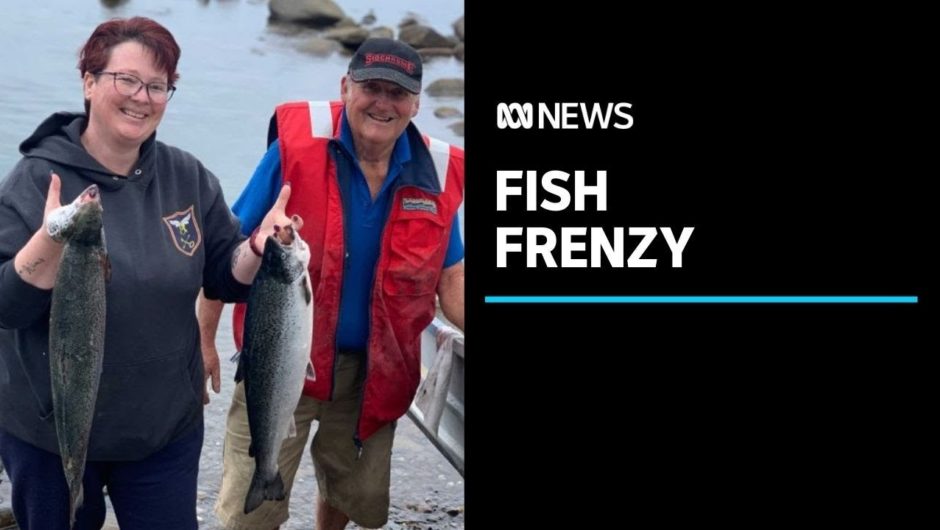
[(96, 52)]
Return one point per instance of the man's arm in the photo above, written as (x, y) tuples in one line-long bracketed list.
[(208, 313), (450, 289)]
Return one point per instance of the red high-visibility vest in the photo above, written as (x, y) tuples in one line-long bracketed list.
[(414, 242)]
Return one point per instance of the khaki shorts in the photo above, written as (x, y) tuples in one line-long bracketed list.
[(359, 487)]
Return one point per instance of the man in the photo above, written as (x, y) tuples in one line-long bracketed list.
[(379, 208)]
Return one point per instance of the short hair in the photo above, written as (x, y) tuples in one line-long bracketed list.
[(96, 52)]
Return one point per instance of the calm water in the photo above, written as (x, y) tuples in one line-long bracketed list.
[(233, 70)]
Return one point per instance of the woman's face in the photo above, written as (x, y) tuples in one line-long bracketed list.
[(125, 121)]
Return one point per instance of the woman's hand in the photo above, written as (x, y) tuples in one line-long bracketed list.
[(53, 200), (276, 216), (37, 263), (247, 258)]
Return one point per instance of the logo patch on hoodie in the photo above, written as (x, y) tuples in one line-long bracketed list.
[(417, 204), (184, 231)]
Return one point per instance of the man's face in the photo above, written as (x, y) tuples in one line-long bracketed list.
[(377, 111)]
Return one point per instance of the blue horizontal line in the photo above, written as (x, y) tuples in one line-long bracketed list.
[(700, 299)]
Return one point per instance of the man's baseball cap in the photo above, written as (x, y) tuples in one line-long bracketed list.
[(387, 60)]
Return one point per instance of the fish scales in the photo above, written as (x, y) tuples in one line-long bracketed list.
[(76, 332), (274, 360)]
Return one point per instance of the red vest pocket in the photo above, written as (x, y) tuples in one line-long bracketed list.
[(415, 251)]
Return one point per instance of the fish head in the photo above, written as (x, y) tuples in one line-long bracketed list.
[(80, 220), (286, 255), (301, 251)]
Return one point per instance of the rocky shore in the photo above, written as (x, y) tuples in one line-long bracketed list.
[(322, 28)]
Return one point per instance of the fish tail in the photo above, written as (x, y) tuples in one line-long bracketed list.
[(255, 493), (274, 490), (75, 503), (260, 491)]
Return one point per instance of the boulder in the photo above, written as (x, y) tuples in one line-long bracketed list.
[(450, 87), (458, 28), (419, 36), (317, 13), (446, 113), (351, 36), (384, 32)]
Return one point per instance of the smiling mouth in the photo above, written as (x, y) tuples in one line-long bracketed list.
[(381, 119), (132, 114)]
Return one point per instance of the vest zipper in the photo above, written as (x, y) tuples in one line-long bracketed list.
[(337, 152)]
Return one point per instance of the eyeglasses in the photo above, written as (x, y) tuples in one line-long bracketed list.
[(129, 85)]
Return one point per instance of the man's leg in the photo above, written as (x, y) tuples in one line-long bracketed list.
[(328, 517), (355, 484), (238, 467)]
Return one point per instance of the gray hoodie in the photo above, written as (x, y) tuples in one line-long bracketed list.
[(168, 232)]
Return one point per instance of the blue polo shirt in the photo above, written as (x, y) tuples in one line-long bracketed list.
[(364, 222)]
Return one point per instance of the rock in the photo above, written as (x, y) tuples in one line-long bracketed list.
[(351, 37), (317, 13), (346, 22), (447, 113), (383, 32), (450, 87), (427, 53), (319, 47), (420, 507), (419, 36), (409, 20), (6, 517), (458, 28), (286, 29)]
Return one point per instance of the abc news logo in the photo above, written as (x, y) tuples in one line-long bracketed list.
[(563, 116)]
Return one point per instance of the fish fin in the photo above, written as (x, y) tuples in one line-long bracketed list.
[(106, 266), (255, 493), (240, 371), (305, 288), (311, 373)]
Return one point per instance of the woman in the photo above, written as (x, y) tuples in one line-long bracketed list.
[(169, 233)]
